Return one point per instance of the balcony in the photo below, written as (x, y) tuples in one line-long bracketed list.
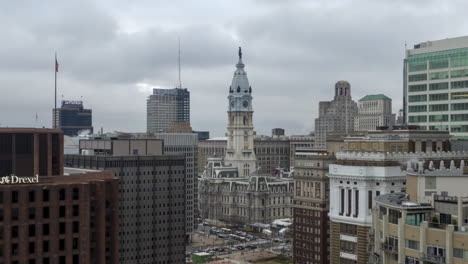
[(432, 258), (389, 248), (374, 259)]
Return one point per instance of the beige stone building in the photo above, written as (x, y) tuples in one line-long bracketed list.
[(406, 230), (374, 110), (271, 152)]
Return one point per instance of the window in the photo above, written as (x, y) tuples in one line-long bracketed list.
[(417, 88), (438, 118), (31, 213), (438, 97), (459, 106), (62, 194), (417, 77), (75, 243), (32, 196), (62, 226), (419, 65), (415, 219), (45, 212), (32, 230), (342, 201), (45, 230), (76, 194), (76, 210), (438, 107), (412, 244), (356, 203), (348, 229), (438, 86), (417, 108), (350, 195), (14, 249), (459, 128), (459, 95), (459, 73), (14, 214), (439, 75), (32, 247), (14, 231), (417, 98), (459, 84), (62, 244), (438, 64), (45, 195), (393, 216), (14, 196), (369, 200), (76, 227), (417, 119), (460, 253), (62, 211), (460, 117), (45, 246)]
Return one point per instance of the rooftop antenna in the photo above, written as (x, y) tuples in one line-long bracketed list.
[(180, 79)]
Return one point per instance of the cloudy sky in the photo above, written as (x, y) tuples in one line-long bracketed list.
[(112, 52)]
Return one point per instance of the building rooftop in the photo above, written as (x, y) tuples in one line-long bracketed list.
[(400, 200), (375, 97)]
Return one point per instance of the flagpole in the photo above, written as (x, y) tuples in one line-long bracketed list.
[(55, 98)]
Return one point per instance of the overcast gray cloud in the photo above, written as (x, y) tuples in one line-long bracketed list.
[(112, 52)]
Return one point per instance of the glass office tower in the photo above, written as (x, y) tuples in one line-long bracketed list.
[(436, 86)]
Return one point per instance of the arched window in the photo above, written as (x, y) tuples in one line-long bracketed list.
[(245, 120), (238, 89)]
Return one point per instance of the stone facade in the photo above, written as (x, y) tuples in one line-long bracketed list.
[(374, 111), (231, 189), (335, 116)]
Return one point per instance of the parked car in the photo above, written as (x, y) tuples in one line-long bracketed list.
[(251, 247), (240, 247)]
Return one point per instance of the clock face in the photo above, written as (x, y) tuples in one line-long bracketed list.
[(245, 103)]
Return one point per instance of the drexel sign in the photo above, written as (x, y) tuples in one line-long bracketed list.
[(13, 179)]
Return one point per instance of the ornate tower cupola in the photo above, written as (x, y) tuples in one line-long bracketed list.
[(240, 150)]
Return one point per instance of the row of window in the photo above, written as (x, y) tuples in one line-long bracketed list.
[(32, 212), (437, 107), (438, 75), (437, 97), (438, 60), (438, 118), (15, 195)]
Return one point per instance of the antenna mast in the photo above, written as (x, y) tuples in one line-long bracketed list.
[(180, 79)]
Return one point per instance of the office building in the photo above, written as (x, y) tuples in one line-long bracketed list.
[(185, 144), (336, 115), (48, 215), (152, 196), (301, 144), (373, 165), (202, 135), (72, 118), (166, 106), (231, 189), (436, 86), (310, 208), (407, 230), (374, 111)]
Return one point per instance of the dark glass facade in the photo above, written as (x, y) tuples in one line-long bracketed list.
[(73, 118)]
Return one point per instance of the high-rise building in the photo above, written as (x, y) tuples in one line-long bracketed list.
[(374, 111), (72, 118), (48, 215), (310, 208), (436, 86), (185, 144), (300, 144), (152, 196), (165, 107), (372, 165), (230, 189), (335, 116)]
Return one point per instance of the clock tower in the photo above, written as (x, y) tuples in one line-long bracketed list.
[(240, 149)]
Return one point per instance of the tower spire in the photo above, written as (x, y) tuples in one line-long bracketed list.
[(180, 78)]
